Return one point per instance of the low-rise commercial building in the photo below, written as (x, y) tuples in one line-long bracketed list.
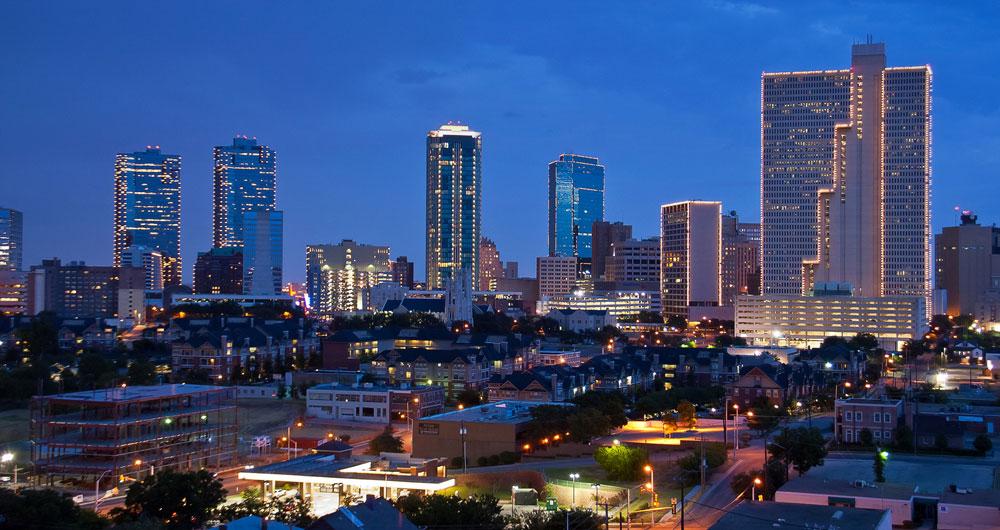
[(771, 515), (128, 432), (854, 415), (367, 402), (580, 320), (617, 303), (482, 431), (804, 321)]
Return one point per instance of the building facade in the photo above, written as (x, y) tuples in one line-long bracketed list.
[(633, 264), (338, 276), (690, 256), (150, 260), (402, 271), (845, 177), (263, 241), (878, 416), (804, 321), (245, 176), (13, 292), (11, 239), (148, 207), (78, 290), (967, 264), (219, 271), (454, 203), (604, 235), (490, 266), (556, 275), (576, 202)]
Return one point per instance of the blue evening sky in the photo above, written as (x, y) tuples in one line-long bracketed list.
[(666, 94)]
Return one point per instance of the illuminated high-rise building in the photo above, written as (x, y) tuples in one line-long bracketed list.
[(11, 239), (490, 266), (148, 207), (845, 178), (149, 260), (262, 251), (690, 256), (338, 276), (576, 202), (604, 235), (454, 203), (219, 271), (244, 181)]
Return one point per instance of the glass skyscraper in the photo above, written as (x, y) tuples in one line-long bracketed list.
[(576, 201), (148, 207), (245, 174), (454, 203), (262, 251), (11, 237)]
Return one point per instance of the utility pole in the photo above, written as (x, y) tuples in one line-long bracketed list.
[(703, 463)]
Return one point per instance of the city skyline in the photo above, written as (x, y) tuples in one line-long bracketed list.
[(320, 162)]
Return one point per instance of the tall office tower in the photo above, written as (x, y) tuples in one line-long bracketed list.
[(11, 239), (847, 152), (454, 203), (510, 270), (244, 180), (556, 275), (690, 256), (576, 202), (219, 271), (730, 251), (262, 251), (13, 292), (604, 235), (490, 266), (78, 290), (149, 260), (748, 258), (968, 264), (633, 265), (148, 207), (402, 271), (338, 276), (749, 232)]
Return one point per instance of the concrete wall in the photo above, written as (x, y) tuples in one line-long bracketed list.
[(959, 516)]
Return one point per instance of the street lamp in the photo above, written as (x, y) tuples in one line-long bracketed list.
[(573, 477), (513, 497), (597, 497), (736, 429), (7, 458), (97, 492), (462, 431), (753, 489)]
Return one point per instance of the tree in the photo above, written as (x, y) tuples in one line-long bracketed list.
[(765, 417), (940, 442), (43, 510), (469, 397), (95, 371), (833, 341), (40, 337), (775, 476), (677, 321), (577, 519), (183, 501), (741, 483), (902, 437), (803, 447), (141, 373), (982, 444), (686, 414), (727, 340), (867, 438), (715, 456), (447, 511), (385, 442), (878, 465), (621, 462), (863, 342), (292, 510)]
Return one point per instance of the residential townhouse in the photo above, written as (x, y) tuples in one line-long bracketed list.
[(879, 416)]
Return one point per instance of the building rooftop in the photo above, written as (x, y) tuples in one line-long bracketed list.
[(770, 515), (866, 401), (135, 393), (499, 412), (844, 487)]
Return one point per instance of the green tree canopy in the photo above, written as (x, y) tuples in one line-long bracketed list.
[(292, 510), (385, 442), (802, 447), (44, 510), (183, 501), (621, 462), (435, 512)]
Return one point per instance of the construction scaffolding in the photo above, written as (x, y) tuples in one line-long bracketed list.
[(131, 432)]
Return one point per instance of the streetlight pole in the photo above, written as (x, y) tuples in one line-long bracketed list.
[(462, 431), (97, 492), (573, 477), (753, 489), (597, 497), (736, 429)]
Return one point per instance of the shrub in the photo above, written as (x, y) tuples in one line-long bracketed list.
[(509, 457), (482, 461), (457, 462), (494, 460)]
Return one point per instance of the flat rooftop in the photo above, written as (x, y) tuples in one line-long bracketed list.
[(845, 488), (770, 515), (372, 387), (932, 475), (134, 393), (327, 468), (499, 412), (866, 401)]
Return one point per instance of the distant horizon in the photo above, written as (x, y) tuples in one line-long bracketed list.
[(667, 97)]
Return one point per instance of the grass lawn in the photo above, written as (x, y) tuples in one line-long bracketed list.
[(465, 491), (13, 426), (588, 475)]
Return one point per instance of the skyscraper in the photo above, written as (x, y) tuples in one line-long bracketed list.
[(968, 264), (245, 175), (576, 201), (490, 266), (454, 203), (262, 251), (11, 238), (149, 260), (219, 271), (338, 275), (148, 207), (845, 177), (402, 271), (604, 235), (690, 256)]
